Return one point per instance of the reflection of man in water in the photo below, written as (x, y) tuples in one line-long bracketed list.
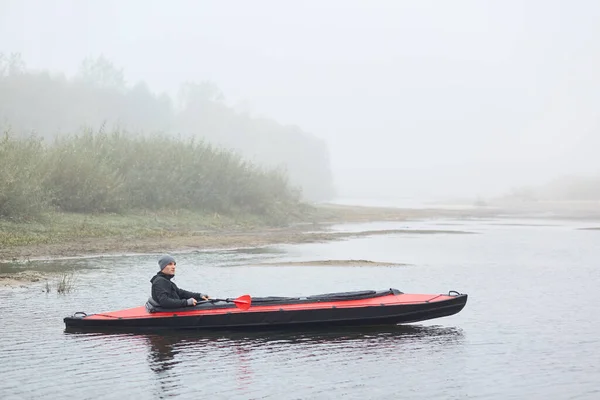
[(161, 355), (170, 353), (161, 359)]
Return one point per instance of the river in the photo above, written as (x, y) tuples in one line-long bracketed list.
[(529, 330)]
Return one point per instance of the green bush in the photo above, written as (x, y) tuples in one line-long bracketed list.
[(81, 178), (112, 172), (21, 194)]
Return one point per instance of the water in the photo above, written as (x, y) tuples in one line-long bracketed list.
[(529, 330)]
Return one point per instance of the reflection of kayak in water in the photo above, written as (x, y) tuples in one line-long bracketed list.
[(385, 307)]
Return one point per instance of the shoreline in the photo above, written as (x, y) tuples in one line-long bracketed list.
[(184, 236), (181, 233), (177, 234)]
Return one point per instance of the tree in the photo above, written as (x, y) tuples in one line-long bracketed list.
[(192, 95), (102, 73), (11, 65)]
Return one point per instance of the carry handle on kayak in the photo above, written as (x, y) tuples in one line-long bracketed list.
[(242, 302)]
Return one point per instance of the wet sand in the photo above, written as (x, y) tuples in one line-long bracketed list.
[(24, 278)]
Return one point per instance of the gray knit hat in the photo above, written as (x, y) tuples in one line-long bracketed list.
[(165, 260)]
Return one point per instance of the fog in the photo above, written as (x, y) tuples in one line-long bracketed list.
[(426, 99)]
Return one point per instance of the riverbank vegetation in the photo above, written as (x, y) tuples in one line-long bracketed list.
[(61, 227), (61, 234), (97, 172)]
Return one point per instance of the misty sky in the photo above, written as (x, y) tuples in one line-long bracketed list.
[(414, 98)]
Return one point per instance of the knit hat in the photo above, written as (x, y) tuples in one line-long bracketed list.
[(165, 260)]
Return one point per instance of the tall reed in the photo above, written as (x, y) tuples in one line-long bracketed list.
[(94, 172), (21, 174)]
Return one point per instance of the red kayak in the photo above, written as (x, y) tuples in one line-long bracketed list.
[(367, 307)]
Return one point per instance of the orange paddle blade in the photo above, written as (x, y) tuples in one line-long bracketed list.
[(243, 302)]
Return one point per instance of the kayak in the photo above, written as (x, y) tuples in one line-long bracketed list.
[(367, 307)]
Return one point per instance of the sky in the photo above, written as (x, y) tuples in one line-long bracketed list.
[(426, 99)]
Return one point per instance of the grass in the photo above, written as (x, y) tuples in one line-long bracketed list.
[(60, 227), (66, 283)]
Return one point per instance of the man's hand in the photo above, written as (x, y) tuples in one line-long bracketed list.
[(191, 302), (205, 298)]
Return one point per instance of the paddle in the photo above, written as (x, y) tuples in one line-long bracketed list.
[(242, 302)]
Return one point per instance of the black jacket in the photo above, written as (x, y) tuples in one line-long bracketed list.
[(168, 295)]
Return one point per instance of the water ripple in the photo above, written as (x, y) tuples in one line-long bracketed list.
[(530, 329)]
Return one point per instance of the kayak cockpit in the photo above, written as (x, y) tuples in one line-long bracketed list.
[(153, 307)]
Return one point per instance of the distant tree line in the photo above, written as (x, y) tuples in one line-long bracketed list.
[(51, 105)]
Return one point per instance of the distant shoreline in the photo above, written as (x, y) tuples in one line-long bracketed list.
[(88, 235), (131, 235)]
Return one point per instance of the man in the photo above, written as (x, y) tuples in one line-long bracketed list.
[(166, 293)]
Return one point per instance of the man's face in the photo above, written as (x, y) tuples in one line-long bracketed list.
[(169, 269)]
